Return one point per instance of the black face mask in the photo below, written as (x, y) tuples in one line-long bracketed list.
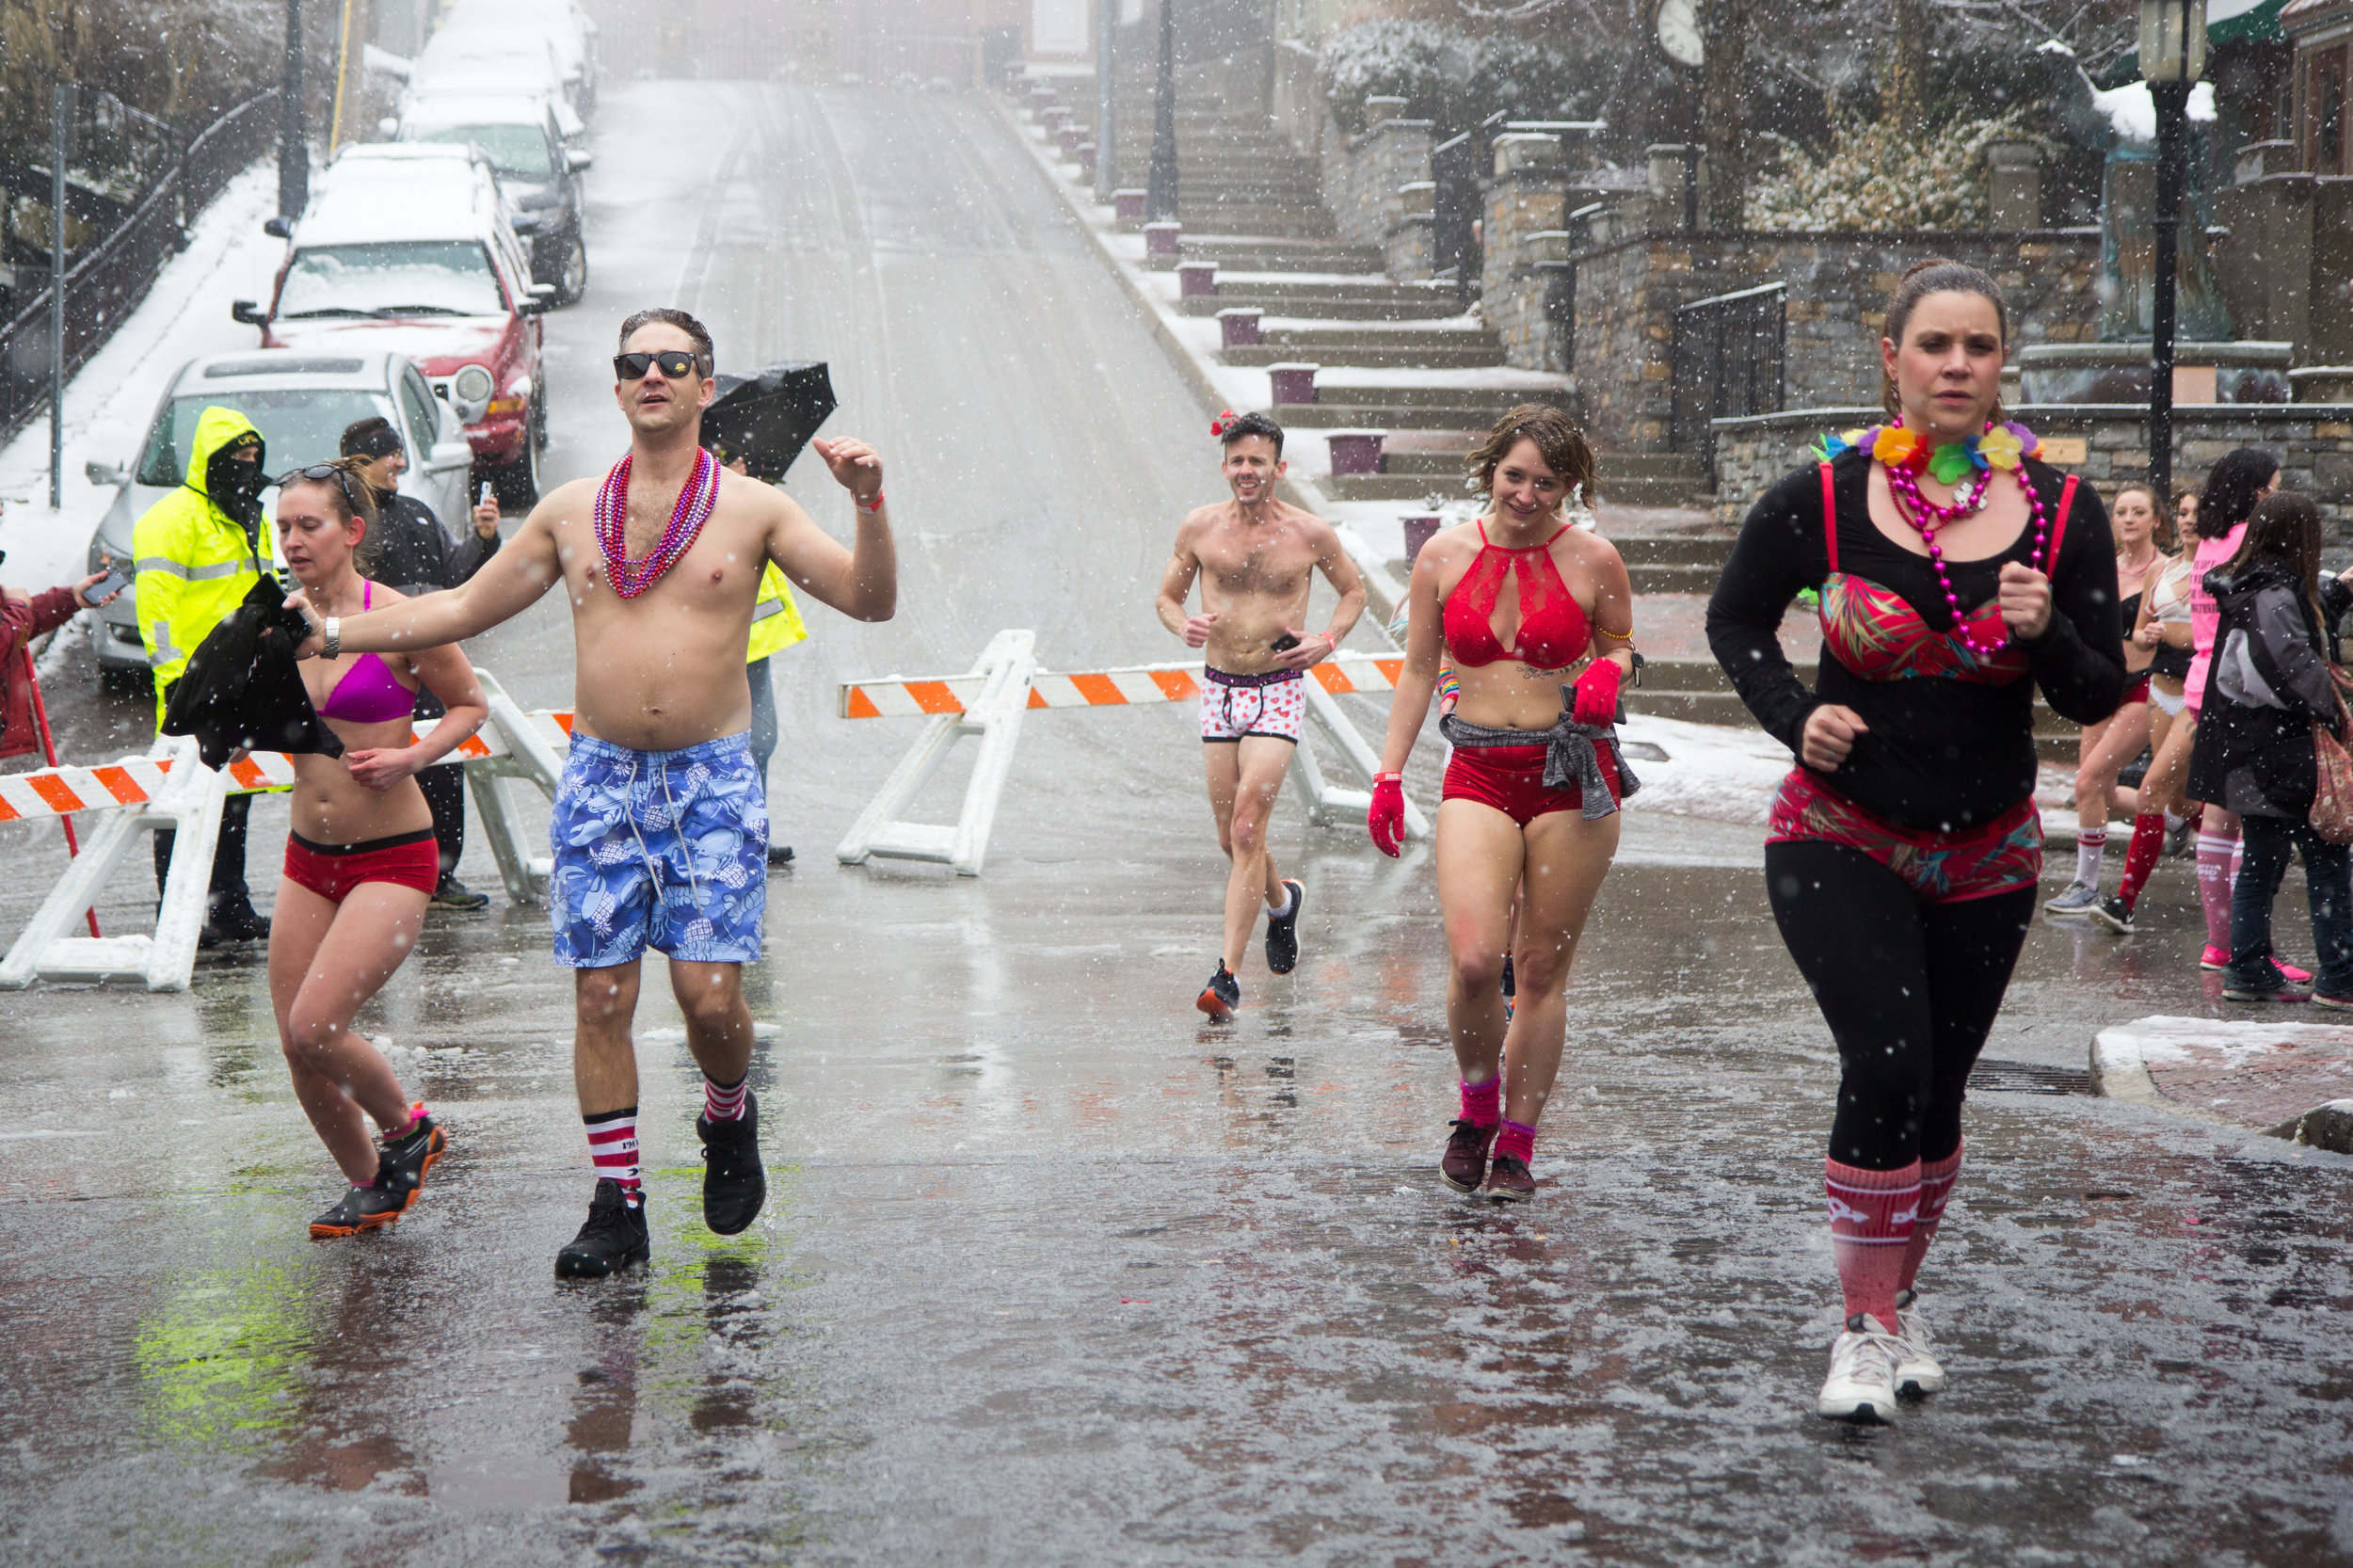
[(235, 486)]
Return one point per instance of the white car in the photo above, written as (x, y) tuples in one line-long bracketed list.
[(497, 28), (301, 402)]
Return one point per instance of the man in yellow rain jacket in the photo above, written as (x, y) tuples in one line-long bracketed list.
[(775, 625), (199, 552)]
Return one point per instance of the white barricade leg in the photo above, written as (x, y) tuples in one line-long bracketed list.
[(528, 757), (1005, 666), (486, 783), (1329, 805), (165, 961)]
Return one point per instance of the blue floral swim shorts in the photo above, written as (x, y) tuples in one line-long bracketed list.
[(667, 848)]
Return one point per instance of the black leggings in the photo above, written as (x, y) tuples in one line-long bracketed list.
[(1908, 990)]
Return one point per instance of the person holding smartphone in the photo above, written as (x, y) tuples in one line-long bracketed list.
[(1256, 558), (415, 554), (23, 617)]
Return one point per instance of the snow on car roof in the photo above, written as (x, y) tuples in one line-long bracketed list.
[(371, 201), (475, 108), (365, 369)]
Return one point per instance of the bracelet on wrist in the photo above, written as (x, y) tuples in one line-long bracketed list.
[(1386, 777), (331, 636), (873, 506)]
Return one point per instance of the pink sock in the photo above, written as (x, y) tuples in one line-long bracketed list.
[(723, 1102), (1936, 1188), (1871, 1215), (2214, 854), (1482, 1103), (1516, 1142)]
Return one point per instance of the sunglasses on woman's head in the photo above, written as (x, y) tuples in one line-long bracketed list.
[(319, 473), (674, 363)]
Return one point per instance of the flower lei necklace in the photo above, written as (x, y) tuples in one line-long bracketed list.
[(1905, 457), (695, 500)]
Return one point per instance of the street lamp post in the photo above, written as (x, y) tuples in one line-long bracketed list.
[(294, 154), (1159, 186), (1106, 131), (2172, 57)]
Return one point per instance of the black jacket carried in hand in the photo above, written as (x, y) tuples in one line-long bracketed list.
[(243, 688), (2268, 682)]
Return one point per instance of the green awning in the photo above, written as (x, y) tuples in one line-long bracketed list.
[(2227, 21)]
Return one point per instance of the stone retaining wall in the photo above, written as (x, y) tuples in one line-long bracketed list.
[(2315, 443), (1378, 186)]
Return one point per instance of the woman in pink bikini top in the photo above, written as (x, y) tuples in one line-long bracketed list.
[(360, 858)]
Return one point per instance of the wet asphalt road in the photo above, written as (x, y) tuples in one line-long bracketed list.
[(1050, 1273)]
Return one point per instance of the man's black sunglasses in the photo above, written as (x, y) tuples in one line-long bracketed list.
[(675, 364), (319, 473)]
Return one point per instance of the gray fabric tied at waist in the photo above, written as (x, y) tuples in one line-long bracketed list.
[(1571, 755)]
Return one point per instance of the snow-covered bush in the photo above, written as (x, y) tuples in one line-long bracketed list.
[(1874, 177), (1422, 61)]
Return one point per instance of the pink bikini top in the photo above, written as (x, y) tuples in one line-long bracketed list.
[(369, 692)]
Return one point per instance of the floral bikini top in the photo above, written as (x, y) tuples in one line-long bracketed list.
[(1874, 631)]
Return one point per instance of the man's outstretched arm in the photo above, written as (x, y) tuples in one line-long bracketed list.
[(863, 581), (508, 583)]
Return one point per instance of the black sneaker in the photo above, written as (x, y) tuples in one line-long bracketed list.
[(454, 894), (234, 920), (1221, 996), (1282, 936), (1464, 1166), (409, 1156), (734, 1186), (613, 1237), (371, 1208), (2115, 914), (779, 854)]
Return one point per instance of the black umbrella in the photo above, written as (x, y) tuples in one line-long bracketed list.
[(766, 417)]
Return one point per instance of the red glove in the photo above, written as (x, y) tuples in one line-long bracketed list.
[(1386, 816), (1597, 693)]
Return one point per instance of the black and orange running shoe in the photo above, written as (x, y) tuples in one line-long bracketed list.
[(377, 1205), (412, 1154), (1464, 1166), (1221, 996)]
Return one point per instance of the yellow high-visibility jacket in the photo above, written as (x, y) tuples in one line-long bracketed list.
[(195, 563), (775, 619)]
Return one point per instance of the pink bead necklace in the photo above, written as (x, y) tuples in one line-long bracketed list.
[(1927, 516), (695, 500)]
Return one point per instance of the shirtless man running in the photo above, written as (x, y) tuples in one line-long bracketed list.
[(1256, 557), (660, 824)]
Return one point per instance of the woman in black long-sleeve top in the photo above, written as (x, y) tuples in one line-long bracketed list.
[(1957, 575)]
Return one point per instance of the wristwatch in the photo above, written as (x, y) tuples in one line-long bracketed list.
[(332, 637)]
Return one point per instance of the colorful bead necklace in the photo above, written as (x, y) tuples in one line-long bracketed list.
[(1905, 455), (695, 503)]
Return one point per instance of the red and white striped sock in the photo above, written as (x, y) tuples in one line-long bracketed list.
[(1936, 1188), (1871, 1215), (723, 1102), (612, 1145)]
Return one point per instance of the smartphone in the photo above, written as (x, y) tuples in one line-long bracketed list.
[(113, 584), (489, 492), (1283, 644)]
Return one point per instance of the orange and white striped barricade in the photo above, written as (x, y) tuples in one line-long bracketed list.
[(986, 701), (167, 789)]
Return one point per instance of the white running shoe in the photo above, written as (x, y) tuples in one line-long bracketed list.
[(1917, 1370), (1862, 1382)]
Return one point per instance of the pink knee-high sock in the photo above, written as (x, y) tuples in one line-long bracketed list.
[(1936, 1190), (1516, 1141), (1482, 1103), (2214, 854), (2141, 858), (1871, 1216)]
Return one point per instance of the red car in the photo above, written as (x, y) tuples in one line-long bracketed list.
[(409, 247)]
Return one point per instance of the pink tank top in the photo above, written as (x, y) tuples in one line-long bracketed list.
[(2205, 613)]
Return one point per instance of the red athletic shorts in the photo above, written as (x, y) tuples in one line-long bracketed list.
[(332, 871), (1512, 779), (2139, 692)]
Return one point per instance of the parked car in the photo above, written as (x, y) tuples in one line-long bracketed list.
[(301, 402), (484, 62), (539, 175), (500, 26), (410, 246)]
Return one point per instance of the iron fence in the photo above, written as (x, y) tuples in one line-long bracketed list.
[(112, 274), (1727, 360)]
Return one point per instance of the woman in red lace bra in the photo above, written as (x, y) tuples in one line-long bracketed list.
[(1957, 575), (1536, 615), (360, 858)]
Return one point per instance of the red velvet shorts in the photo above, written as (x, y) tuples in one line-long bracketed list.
[(1512, 779), (332, 871)]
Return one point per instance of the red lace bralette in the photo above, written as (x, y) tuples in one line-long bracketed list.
[(1553, 631)]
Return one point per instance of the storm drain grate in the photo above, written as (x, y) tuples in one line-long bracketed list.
[(2028, 1078)]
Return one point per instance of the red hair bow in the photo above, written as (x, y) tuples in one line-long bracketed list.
[(1217, 426)]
